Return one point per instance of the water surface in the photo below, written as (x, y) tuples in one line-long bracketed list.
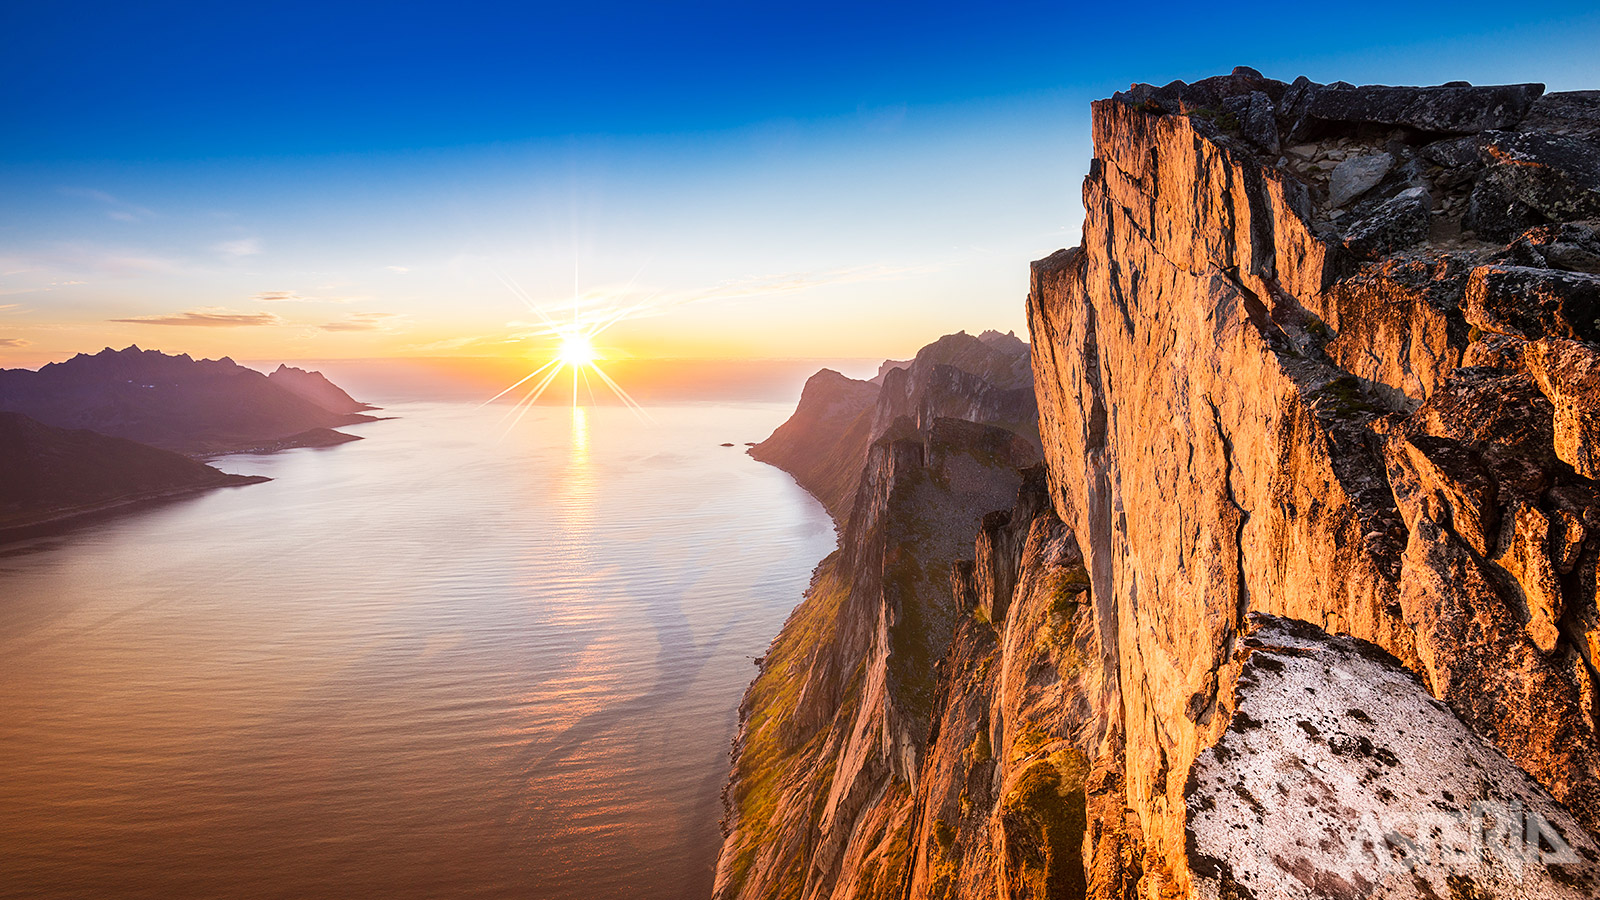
[(446, 660)]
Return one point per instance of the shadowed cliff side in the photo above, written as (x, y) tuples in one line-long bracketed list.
[(834, 726), (823, 443), (985, 379)]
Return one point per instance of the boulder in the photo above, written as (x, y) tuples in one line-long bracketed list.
[(1340, 776), (1534, 303), (1442, 110), (1357, 175), (1395, 224), (1565, 112), (1534, 178)]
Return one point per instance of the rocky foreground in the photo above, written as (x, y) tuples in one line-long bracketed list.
[(1302, 603)]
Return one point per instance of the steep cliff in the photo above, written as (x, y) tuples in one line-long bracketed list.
[(1303, 603), (1294, 369), (985, 379), (835, 726)]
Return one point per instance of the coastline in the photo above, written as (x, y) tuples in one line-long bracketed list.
[(59, 521)]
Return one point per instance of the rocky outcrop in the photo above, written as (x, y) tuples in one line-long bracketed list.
[(196, 407), (1304, 601), (836, 727), (984, 379), (54, 476), (1319, 382), (822, 445)]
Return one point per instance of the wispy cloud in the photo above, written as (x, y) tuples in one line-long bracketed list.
[(206, 318), (376, 321), (626, 301), (296, 297), (461, 343), (14, 343), (239, 248), (114, 207), (398, 270)]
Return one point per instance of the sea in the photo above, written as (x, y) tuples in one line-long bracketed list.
[(467, 656)]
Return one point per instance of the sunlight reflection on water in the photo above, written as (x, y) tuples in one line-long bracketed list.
[(429, 663)]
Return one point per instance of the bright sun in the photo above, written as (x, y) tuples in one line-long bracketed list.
[(575, 354), (576, 351)]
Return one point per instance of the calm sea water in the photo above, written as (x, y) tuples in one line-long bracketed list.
[(445, 661)]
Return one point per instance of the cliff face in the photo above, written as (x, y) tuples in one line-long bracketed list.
[(985, 379), (1295, 369), (836, 726), (1303, 603)]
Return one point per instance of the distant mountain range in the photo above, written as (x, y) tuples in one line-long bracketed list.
[(105, 431), (196, 407)]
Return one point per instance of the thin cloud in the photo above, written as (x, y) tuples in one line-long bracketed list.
[(115, 208), (14, 343), (206, 318), (359, 322), (295, 297), (398, 270), (240, 248)]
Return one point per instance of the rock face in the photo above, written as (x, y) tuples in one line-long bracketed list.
[(835, 728), (985, 379), (1264, 391), (823, 443), (1327, 733), (1303, 603), (197, 407), (53, 475)]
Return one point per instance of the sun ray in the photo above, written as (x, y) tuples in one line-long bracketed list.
[(520, 383), (626, 398)]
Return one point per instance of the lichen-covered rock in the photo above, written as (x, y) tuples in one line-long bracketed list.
[(1534, 303), (1357, 175), (1340, 776), (1396, 224), (1451, 109)]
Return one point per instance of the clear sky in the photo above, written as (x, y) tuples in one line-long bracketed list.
[(321, 180)]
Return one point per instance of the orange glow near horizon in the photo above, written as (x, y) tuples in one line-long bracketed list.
[(574, 352)]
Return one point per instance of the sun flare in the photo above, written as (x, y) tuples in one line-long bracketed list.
[(573, 354)]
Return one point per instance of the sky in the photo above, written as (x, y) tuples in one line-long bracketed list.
[(754, 180)]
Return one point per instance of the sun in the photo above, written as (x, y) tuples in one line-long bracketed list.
[(574, 355), (577, 351)]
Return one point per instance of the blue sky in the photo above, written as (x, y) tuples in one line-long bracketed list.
[(323, 180)]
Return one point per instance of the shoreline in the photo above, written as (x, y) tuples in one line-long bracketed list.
[(63, 520)]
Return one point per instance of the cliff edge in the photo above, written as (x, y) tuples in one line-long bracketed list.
[(1327, 353), (1303, 601)]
